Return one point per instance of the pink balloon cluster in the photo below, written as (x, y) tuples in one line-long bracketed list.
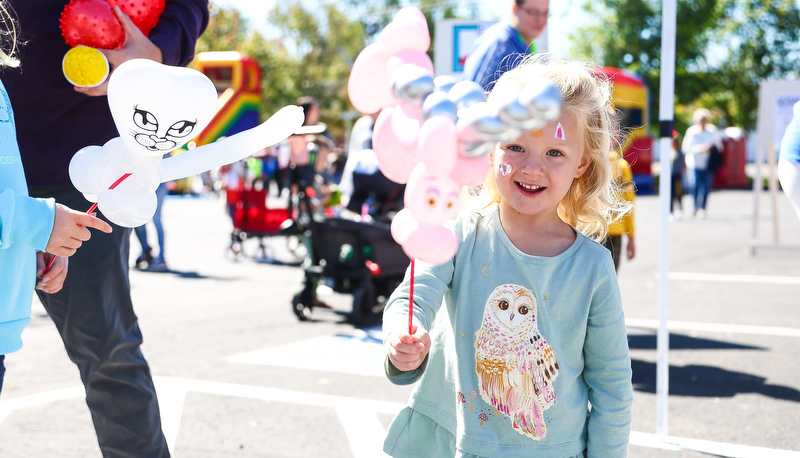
[(433, 134)]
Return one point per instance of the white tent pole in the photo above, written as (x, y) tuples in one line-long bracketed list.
[(666, 125)]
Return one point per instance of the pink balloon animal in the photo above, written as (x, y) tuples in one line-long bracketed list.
[(434, 135)]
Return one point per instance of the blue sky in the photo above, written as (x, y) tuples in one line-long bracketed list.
[(563, 12)]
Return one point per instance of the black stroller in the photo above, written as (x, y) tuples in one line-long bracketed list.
[(352, 256)]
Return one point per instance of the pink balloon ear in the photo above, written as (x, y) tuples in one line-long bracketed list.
[(410, 15), (406, 124), (438, 144), (369, 87), (406, 33), (403, 225), (432, 244), (471, 171), (394, 159), (409, 56)]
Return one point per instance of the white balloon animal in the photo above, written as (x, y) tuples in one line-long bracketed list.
[(157, 108)]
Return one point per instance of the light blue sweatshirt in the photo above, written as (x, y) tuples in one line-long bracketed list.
[(536, 339), (25, 227)]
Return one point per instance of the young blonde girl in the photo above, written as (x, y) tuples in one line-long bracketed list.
[(529, 356)]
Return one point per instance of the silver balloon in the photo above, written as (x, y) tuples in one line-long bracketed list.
[(542, 99), (411, 83), (466, 93), (445, 82), (513, 113), (439, 104), (480, 122), (475, 149)]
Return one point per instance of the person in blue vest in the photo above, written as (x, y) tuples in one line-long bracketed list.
[(502, 46)]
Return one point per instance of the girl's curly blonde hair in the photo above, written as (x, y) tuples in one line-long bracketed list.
[(591, 202), (8, 37)]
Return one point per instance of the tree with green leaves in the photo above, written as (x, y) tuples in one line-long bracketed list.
[(229, 31), (327, 42), (724, 49)]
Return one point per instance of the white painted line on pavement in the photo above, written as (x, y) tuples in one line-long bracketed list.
[(288, 396), (9, 405), (709, 447), (358, 416), (364, 431), (714, 327), (171, 399), (734, 278), (358, 353)]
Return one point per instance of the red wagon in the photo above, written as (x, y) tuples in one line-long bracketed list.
[(253, 218)]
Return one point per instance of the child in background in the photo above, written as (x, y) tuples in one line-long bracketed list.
[(676, 185), (32, 231), (625, 226), (529, 356)]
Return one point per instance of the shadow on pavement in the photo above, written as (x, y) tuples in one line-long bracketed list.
[(684, 342), (708, 381)]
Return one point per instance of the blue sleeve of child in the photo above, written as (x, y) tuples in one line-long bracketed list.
[(607, 370), (790, 144), (25, 221)]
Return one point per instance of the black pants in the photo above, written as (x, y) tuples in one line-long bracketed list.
[(94, 315), (614, 245)]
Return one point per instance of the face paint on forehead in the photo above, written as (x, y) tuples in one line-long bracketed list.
[(537, 133), (560, 135), (504, 168)]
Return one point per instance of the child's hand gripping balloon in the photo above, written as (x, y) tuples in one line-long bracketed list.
[(408, 351)]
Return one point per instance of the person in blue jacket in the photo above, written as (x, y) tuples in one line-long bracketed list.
[(33, 232), (502, 46), (789, 160), (93, 312)]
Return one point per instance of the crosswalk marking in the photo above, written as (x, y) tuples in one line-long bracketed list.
[(358, 416), (723, 328)]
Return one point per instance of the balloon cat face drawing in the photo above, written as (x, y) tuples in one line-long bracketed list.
[(158, 111), (164, 136)]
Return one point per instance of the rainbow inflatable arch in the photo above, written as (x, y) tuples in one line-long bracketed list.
[(238, 81)]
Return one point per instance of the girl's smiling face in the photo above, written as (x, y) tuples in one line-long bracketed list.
[(534, 172)]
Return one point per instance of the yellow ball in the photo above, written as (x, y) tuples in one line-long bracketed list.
[(85, 66)]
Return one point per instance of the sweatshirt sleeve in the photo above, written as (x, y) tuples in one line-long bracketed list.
[(180, 25), (430, 285), (25, 221), (607, 370), (689, 145)]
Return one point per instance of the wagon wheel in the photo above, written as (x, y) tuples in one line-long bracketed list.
[(302, 304)]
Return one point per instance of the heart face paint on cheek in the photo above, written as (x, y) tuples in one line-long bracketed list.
[(504, 168)]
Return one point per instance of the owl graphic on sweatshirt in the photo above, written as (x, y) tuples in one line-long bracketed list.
[(515, 365)]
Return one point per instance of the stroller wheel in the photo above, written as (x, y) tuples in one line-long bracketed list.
[(301, 305)]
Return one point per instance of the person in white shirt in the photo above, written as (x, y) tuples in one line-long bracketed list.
[(700, 140)]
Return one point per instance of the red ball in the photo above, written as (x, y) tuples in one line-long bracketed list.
[(143, 13), (91, 23)]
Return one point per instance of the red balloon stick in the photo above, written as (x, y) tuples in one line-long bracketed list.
[(91, 209), (411, 302)]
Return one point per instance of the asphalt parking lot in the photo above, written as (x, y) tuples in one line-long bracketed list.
[(239, 376)]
